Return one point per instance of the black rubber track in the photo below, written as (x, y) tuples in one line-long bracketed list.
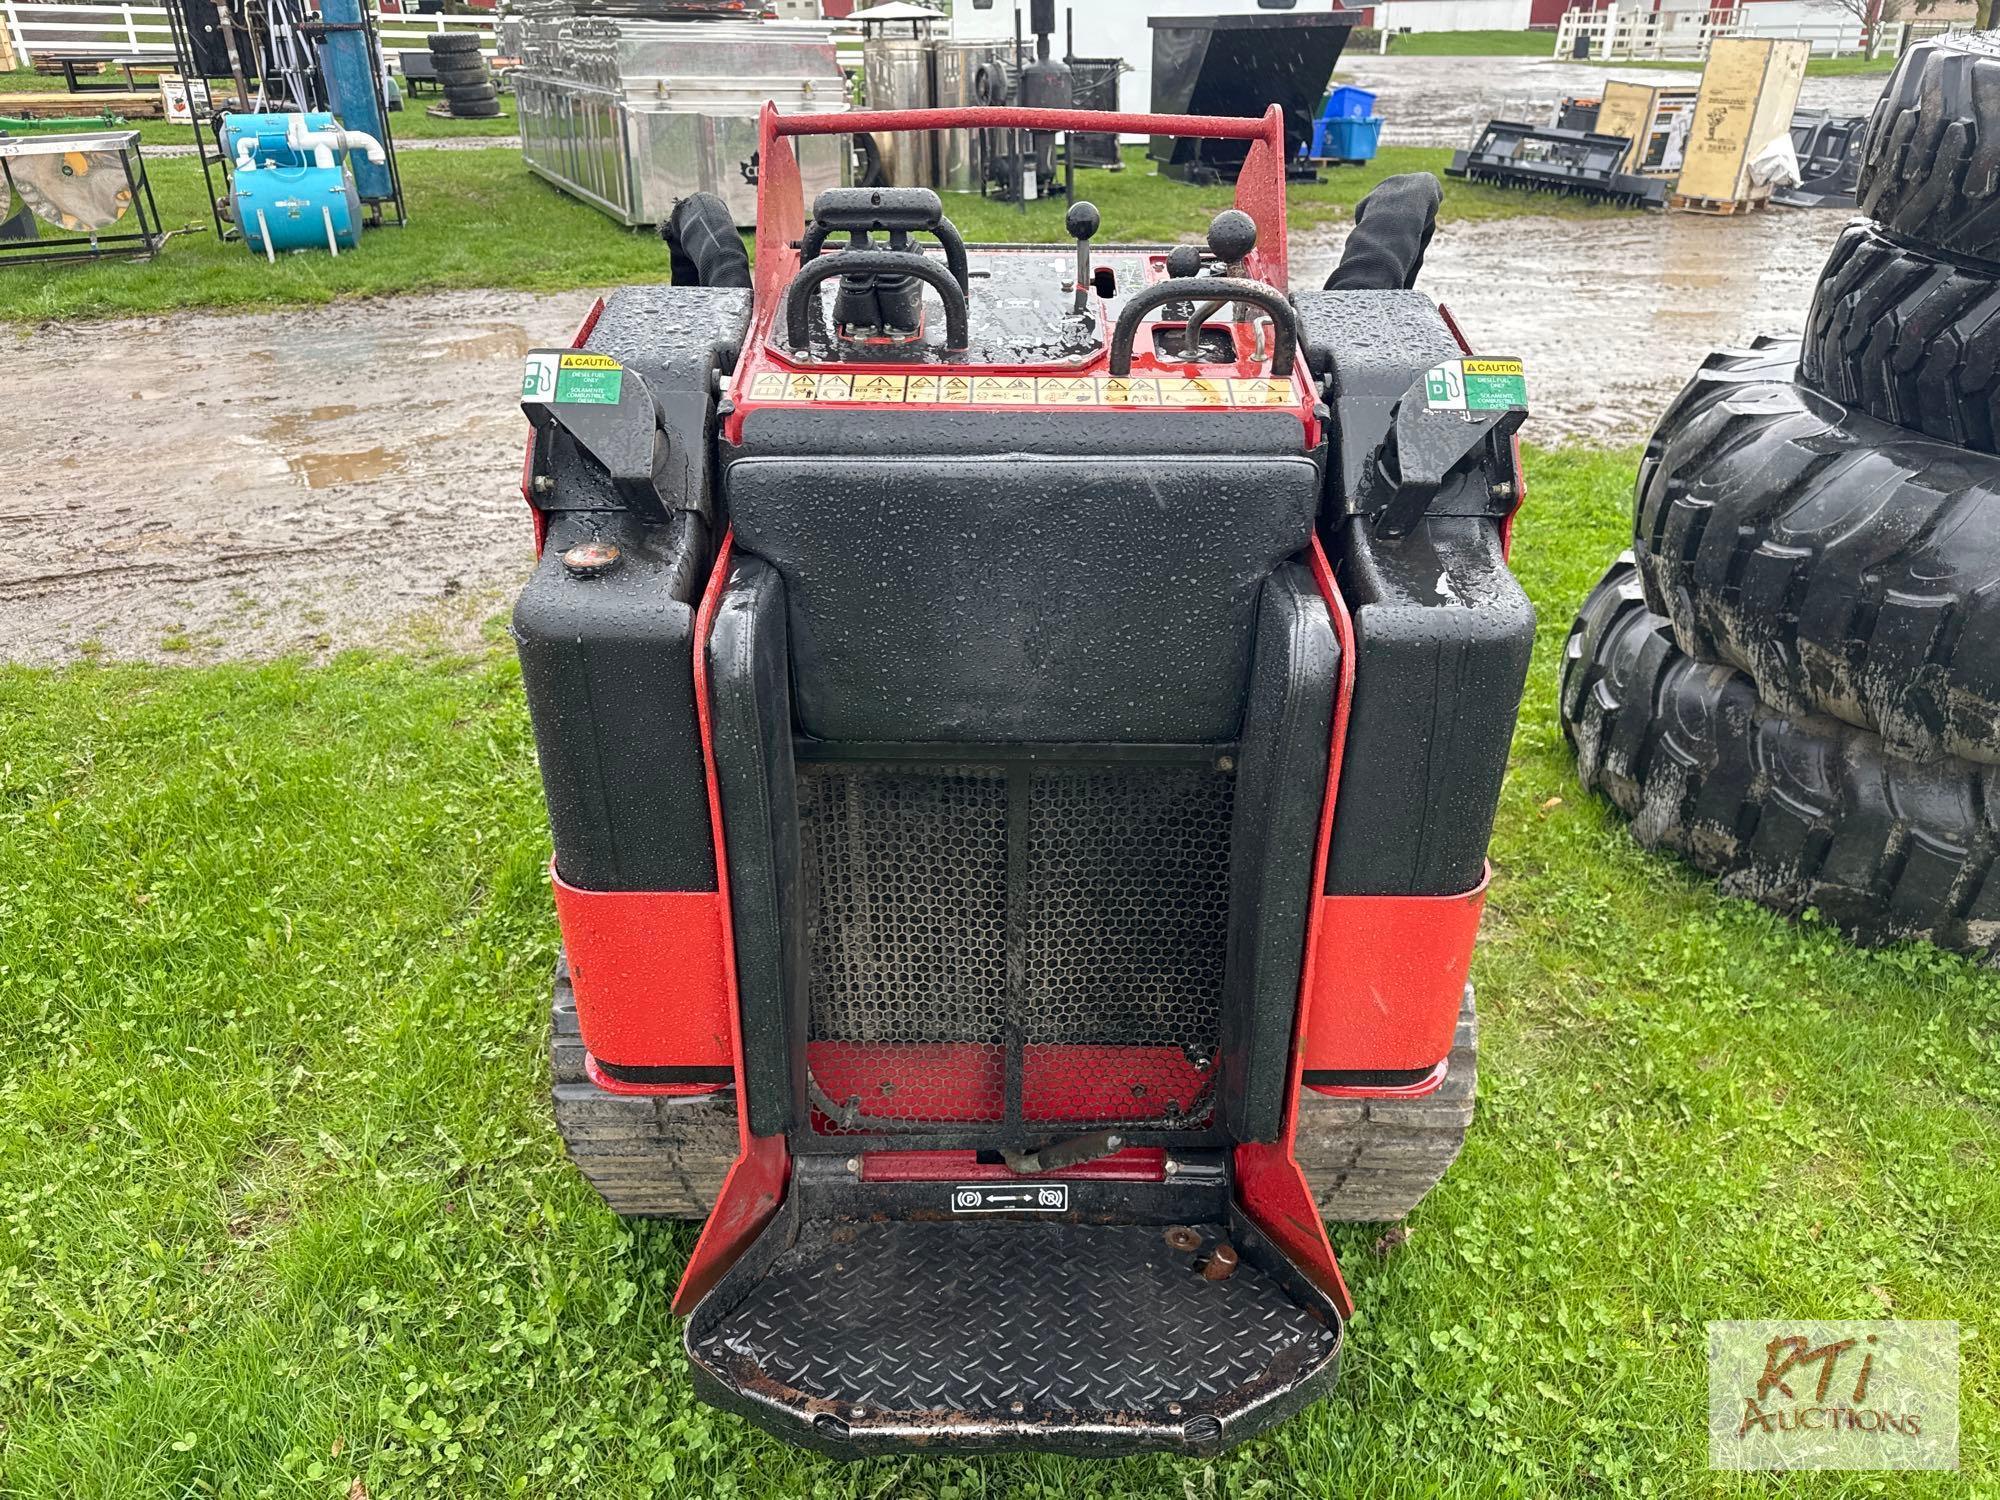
[(454, 41), (1852, 568), (1907, 337), (1931, 169), (656, 1157), (1790, 812)]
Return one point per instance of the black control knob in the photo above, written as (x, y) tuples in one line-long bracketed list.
[(1081, 221), (1232, 235), (1184, 261)]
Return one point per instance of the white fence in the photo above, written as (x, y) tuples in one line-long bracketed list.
[(113, 31), (1618, 33)]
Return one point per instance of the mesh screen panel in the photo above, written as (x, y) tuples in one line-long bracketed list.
[(1128, 925), (1108, 884)]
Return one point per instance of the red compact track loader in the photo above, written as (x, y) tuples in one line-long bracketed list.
[(1021, 727)]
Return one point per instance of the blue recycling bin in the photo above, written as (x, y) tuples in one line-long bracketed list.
[(1348, 129), (1348, 103)]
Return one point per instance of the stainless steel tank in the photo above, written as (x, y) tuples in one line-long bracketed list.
[(954, 67), (631, 113), (896, 71)]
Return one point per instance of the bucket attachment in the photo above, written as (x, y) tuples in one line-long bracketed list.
[(1241, 65), (1086, 1314)]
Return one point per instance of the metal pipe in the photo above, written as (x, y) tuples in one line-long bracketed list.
[(1208, 127), (1020, 137), (300, 138)]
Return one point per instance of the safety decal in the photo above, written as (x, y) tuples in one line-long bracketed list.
[(1022, 390), (1011, 1198), (574, 379), (1471, 385)]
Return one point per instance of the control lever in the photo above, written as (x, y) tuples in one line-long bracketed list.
[(1082, 222), (1183, 264), (1232, 235)]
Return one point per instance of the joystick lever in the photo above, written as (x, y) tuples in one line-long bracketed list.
[(1232, 235), (1082, 222)]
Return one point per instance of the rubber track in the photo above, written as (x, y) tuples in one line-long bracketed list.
[(1931, 168), (1787, 811), (663, 1158), (1850, 567), (1908, 338)]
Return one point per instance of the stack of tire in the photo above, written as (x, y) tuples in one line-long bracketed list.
[(1793, 678), (462, 73)]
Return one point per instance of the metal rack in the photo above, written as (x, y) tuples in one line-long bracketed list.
[(143, 241), (272, 64)]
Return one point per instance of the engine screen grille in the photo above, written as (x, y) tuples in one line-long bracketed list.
[(1019, 947)]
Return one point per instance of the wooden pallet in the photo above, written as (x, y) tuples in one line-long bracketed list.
[(1722, 207), (55, 106)]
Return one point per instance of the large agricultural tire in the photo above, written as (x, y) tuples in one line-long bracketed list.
[(1931, 170), (657, 1157), (1851, 568), (471, 93), (452, 71), (1790, 812), (488, 109), (1908, 338), (448, 43)]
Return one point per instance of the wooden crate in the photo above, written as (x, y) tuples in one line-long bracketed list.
[(1647, 116), (1748, 92)]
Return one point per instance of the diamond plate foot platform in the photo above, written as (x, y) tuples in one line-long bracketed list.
[(860, 1335)]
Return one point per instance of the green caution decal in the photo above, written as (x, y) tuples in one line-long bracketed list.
[(1470, 385), (588, 380)]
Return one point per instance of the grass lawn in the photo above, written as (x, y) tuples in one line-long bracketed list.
[(478, 218), (281, 1210), (1818, 67), (408, 123), (1457, 44), (411, 122)]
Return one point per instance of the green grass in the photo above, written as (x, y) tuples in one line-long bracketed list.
[(280, 1207), (1456, 44), (409, 123), (1818, 67), (478, 218), (28, 81)]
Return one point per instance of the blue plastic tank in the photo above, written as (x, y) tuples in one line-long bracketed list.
[(297, 208), (266, 133)]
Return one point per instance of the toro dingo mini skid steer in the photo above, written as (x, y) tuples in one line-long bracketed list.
[(1021, 728)]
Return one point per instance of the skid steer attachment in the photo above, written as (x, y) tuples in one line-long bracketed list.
[(946, 663)]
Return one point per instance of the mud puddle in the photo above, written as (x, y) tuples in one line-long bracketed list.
[(1613, 316), (1443, 101), (201, 486)]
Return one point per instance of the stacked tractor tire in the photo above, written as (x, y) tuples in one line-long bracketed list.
[(1793, 678), (469, 92)]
